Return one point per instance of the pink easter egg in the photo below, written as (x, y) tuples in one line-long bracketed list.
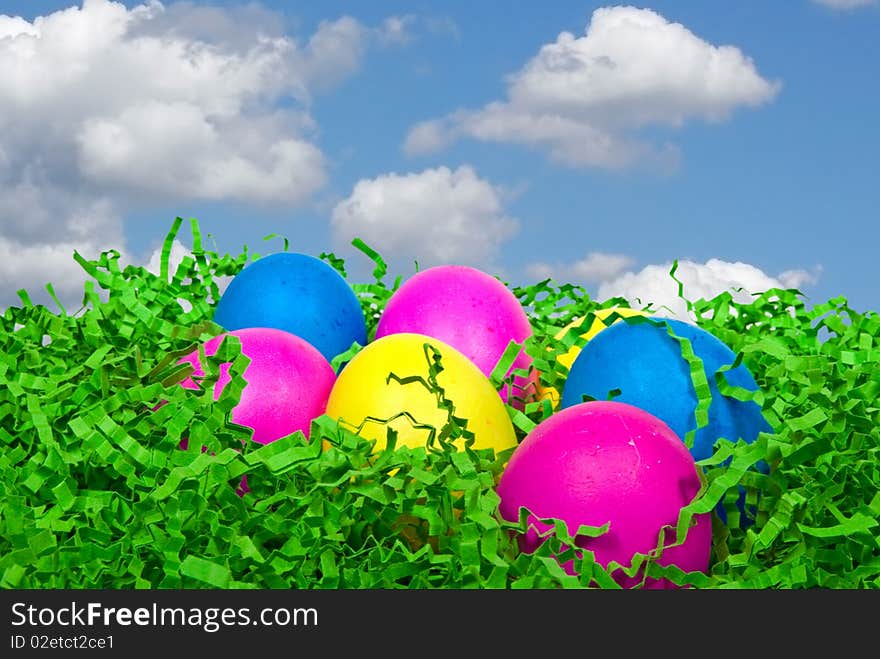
[(608, 462), (288, 382), (469, 310)]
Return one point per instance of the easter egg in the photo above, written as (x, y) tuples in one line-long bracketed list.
[(600, 317), (646, 365), (467, 309), (604, 462), (369, 388), (288, 382), (297, 293)]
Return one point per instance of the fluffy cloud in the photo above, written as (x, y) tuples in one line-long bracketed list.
[(38, 265), (104, 108), (595, 267), (396, 30), (583, 99), (653, 284), (101, 95), (174, 150), (40, 229), (438, 216), (845, 4)]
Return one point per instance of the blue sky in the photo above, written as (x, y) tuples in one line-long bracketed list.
[(590, 142)]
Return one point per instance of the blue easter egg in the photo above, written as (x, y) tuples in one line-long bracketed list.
[(297, 293), (646, 364)]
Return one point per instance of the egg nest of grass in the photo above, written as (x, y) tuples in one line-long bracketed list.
[(97, 492)]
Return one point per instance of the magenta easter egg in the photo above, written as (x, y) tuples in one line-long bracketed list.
[(467, 309), (288, 382), (608, 462)]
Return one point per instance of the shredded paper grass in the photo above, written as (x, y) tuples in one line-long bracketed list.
[(97, 491)]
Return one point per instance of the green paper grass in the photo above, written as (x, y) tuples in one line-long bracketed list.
[(96, 490)]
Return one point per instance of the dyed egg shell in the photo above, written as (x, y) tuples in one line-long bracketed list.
[(288, 382), (364, 390), (599, 323), (607, 462), (647, 366), (469, 310), (296, 293)]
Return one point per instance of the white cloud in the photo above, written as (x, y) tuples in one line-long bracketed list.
[(436, 216), (595, 267), (165, 113), (845, 4), (37, 265), (653, 284), (334, 52), (40, 228), (233, 26), (798, 278), (105, 108), (396, 30), (583, 99), (173, 149), (430, 136)]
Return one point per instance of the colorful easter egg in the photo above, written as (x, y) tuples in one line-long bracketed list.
[(288, 382), (297, 293), (370, 388), (469, 310), (600, 463), (647, 366)]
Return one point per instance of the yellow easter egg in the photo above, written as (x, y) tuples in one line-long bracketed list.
[(567, 358), (365, 390)]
